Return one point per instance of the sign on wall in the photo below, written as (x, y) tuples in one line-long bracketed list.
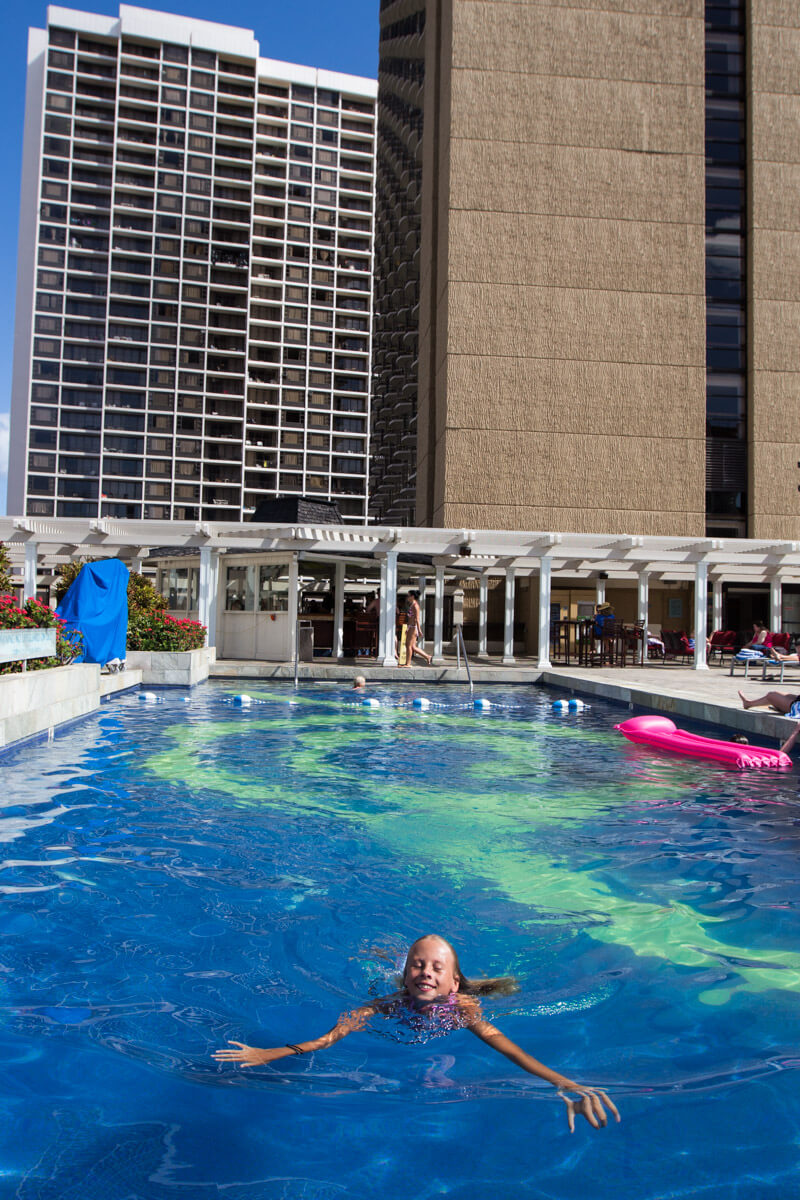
[(18, 644)]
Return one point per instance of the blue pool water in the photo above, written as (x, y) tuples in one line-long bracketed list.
[(181, 874)]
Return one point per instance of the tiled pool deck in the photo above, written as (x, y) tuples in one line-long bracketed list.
[(710, 696)]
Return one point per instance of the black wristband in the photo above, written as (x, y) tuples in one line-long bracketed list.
[(294, 1049)]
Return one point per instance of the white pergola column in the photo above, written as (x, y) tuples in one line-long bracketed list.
[(508, 622), (294, 605), (600, 591), (213, 600), (642, 610), (438, 614), (776, 604), (545, 593), (483, 615), (386, 650), (700, 615), (29, 572), (716, 603), (338, 609), (208, 592)]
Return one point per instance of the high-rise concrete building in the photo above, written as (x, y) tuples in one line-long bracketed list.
[(588, 243), (194, 284)]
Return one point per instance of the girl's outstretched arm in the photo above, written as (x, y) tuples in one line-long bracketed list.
[(589, 1103), (792, 738), (253, 1056)]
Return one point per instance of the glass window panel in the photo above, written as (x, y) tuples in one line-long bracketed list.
[(178, 588), (194, 588), (724, 358), (273, 587), (723, 289), (240, 589)]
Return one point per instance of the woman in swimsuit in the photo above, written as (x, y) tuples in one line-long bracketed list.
[(761, 639), (435, 992), (414, 619)]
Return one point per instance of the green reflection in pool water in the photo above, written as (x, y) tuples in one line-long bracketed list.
[(487, 833)]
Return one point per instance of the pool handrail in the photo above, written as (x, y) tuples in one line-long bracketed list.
[(462, 649)]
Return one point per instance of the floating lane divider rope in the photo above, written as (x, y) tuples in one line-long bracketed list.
[(421, 703), (571, 705)]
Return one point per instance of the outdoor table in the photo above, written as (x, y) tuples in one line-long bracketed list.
[(565, 639)]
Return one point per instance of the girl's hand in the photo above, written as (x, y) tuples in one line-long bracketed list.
[(589, 1105), (249, 1056)]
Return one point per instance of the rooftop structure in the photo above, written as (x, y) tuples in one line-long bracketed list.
[(194, 281)]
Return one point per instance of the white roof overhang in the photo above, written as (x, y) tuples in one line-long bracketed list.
[(578, 556)]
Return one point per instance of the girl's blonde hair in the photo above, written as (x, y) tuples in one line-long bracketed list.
[(502, 985)]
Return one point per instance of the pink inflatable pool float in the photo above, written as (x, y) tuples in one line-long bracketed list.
[(662, 733)]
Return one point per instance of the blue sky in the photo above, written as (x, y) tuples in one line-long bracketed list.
[(340, 36)]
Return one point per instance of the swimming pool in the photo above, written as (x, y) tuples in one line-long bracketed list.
[(182, 874)]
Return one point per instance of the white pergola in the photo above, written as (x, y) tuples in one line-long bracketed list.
[(36, 544)]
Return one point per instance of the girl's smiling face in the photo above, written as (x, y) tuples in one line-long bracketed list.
[(430, 972)]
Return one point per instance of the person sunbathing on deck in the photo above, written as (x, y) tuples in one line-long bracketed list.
[(772, 652), (786, 703)]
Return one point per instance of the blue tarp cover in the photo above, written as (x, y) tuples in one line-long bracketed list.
[(96, 604)]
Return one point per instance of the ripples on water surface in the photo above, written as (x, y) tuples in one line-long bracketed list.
[(181, 875)]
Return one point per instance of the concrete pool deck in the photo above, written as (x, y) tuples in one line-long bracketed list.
[(710, 696)]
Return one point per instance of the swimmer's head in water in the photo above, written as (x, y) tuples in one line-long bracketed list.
[(741, 739), (359, 682), (432, 945), (431, 971)]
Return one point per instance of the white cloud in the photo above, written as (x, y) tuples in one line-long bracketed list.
[(4, 421)]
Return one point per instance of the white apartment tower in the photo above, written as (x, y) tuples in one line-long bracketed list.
[(194, 282)]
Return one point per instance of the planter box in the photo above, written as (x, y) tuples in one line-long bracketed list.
[(170, 668), (37, 701)]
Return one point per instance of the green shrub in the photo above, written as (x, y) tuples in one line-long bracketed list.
[(5, 570), (160, 631)]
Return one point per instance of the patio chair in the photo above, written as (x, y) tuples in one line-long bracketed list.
[(746, 658), (608, 650), (687, 649), (728, 644), (716, 644), (672, 644), (782, 642), (365, 637), (631, 640), (772, 669)]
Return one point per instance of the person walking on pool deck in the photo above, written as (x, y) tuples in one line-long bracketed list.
[(414, 618), (436, 992)]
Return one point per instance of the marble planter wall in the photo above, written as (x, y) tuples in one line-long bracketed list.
[(165, 668), (37, 701)]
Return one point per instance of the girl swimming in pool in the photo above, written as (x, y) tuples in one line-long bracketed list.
[(435, 990)]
